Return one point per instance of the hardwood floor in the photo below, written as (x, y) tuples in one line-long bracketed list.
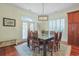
[(11, 50), (8, 51), (74, 51)]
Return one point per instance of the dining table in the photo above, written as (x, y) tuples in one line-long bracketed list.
[(45, 38)]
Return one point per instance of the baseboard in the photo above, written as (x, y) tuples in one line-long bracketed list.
[(21, 42), (7, 43)]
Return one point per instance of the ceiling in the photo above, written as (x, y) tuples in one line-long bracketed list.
[(48, 7)]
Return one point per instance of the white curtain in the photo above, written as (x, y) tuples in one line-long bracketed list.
[(57, 25)]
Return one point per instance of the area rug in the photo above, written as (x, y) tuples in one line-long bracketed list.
[(23, 50)]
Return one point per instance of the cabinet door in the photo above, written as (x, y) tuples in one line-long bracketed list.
[(70, 34), (73, 28), (76, 34), (76, 17), (70, 17), (2, 52)]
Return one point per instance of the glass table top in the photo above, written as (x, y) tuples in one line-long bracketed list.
[(45, 37)]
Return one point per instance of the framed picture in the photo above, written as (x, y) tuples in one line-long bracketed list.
[(42, 18), (9, 22)]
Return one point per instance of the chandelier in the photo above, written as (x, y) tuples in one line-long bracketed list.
[(43, 17)]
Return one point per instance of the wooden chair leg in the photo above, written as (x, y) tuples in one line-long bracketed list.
[(52, 52), (54, 48), (33, 48), (38, 49), (59, 45)]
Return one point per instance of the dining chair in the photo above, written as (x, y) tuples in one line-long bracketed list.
[(35, 41), (54, 44), (51, 44), (29, 39), (58, 40)]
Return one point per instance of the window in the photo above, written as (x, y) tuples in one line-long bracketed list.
[(50, 25), (57, 25), (31, 26), (53, 25), (25, 30), (62, 24), (28, 23)]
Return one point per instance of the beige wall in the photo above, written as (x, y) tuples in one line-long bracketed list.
[(10, 11)]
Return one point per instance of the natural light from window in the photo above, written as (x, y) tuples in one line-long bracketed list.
[(57, 25)]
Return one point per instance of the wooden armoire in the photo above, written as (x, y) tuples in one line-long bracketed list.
[(73, 28)]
